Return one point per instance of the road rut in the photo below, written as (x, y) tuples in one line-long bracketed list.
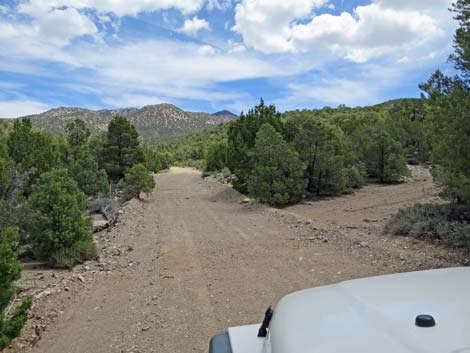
[(200, 262)]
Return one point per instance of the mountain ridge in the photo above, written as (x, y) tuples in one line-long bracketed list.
[(153, 122)]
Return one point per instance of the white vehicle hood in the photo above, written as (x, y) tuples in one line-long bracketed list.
[(377, 315), (370, 315)]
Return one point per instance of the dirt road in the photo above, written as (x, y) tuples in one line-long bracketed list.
[(196, 261)]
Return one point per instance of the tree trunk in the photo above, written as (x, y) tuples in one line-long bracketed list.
[(318, 184)]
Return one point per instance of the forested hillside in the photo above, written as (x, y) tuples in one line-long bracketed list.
[(402, 121), (152, 122)]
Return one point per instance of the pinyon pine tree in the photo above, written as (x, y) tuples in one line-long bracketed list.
[(60, 227), (449, 117), (121, 149), (277, 176)]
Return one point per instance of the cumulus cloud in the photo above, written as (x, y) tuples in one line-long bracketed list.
[(192, 26), (266, 25), (51, 37), (61, 26), (381, 27)]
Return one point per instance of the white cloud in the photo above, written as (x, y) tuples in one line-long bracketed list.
[(36, 8), (206, 50), (219, 4), (335, 91), (192, 26), (365, 84), (42, 36), (123, 74), (383, 27), (17, 108), (235, 47), (61, 26), (266, 25), (403, 33), (166, 63)]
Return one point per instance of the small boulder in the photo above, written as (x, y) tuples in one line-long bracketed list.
[(99, 225)]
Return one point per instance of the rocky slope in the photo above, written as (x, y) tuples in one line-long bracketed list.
[(152, 121)]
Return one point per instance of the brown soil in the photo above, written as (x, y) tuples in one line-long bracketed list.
[(192, 260)]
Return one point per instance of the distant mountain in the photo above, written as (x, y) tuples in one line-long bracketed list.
[(225, 113), (152, 121)]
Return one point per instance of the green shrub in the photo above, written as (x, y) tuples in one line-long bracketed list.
[(167, 159), (12, 326), (136, 180), (85, 171), (59, 222), (216, 156), (10, 271), (152, 159), (68, 257), (356, 177), (449, 224)]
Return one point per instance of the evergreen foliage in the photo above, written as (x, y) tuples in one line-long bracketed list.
[(153, 159), (121, 148), (33, 151), (190, 150), (448, 134), (320, 146), (77, 132), (85, 171), (449, 115), (216, 156), (242, 136), (7, 174), (10, 271), (461, 55), (59, 227), (277, 176), (385, 159), (137, 180)]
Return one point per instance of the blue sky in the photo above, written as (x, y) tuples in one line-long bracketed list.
[(209, 55)]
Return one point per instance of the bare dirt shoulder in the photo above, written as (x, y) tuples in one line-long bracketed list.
[(192, 260)]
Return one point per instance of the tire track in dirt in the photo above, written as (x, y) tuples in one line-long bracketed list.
[(201, 262)]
